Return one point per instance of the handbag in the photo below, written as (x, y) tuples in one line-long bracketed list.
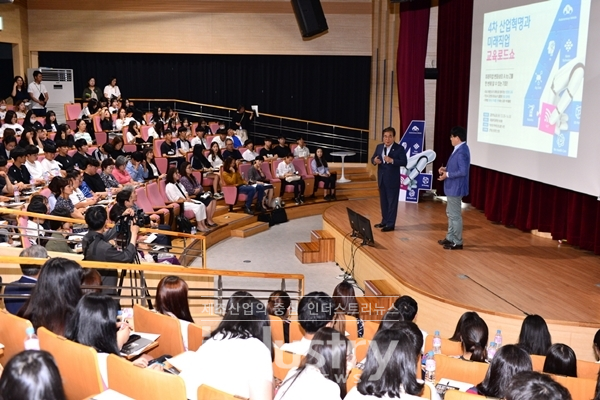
[(293, 178), (183, 223)]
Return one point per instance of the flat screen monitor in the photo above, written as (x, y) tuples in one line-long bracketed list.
[(353, 218), (364, 227)]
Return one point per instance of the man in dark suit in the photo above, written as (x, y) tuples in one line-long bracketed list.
[(456, 185), (30, 275), (389, 156)]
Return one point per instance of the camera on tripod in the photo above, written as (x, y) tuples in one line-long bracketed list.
[(139, 218)]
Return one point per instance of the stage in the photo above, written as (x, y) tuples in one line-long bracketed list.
[(502, 273)]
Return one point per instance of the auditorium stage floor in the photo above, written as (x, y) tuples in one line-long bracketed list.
[(501, 270)]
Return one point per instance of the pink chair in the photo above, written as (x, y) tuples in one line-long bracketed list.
[(258, 148), (20, 121), (194, 126), (292, 147), (101, 138), (52, 135), (156, 146), (300, 165), (148, 117), (97, 126), (130, 148), (41, 157), (144, 203), (209, 139), (214, 126), (161, 186), (145, 129), (22, 222), (72, 111), (71, 153), (162, 164), (45, 192), (41, 120), (276, 182), (241, 150), (91, 150), (157, 200), (244, 168)]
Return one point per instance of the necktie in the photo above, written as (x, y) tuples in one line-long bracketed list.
[(386, 150)]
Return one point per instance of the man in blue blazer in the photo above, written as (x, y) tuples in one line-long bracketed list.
[(389, 156), (456, 185), (30, 275)]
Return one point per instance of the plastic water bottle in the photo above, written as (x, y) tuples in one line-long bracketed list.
[(16, 193), (46, 176), (492, 351), (437, 343), (32, 183), (31, 340), (109, 194), (498, 338), (193, 232), (430, 367)]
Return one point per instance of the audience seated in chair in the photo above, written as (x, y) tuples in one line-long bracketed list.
[(508, 361), (301, 151), (55, 295), (237, 358), (172, 300), (534, 336), (529, 385), (561, 360), (278, 305), (31, 374), (398, 378), (232, 177), (474, 338), (257, 176), (289, 176), (176, 193), (408, 308), (321, 173), (345, 303), (315, 311), (108, 165), (323, 372), (30, 272), (195, 190), (94, 324)]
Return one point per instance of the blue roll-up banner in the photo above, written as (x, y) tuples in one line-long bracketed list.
[(412, 178)]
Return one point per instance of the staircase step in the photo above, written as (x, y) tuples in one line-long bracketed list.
[(250, 230), (319, 234), (307, 252), (221, 209)]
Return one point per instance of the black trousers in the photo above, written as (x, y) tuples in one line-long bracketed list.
[(299, 186), (329, 181)]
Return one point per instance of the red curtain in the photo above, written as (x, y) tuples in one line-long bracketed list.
[(526, 205), (412, 50), (453, 65)]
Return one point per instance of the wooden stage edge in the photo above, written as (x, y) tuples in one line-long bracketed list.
[(502, 273)]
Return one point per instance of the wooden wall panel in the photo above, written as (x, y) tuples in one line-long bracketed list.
[(14, 17), (259, 30)]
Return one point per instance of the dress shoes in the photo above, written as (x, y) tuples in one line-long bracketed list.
[(453, 246), (387, 229), (380, 225), (445, 242), (248, 211)]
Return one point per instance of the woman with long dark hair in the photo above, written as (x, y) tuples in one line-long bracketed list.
[(65, 134), (157, 131), (237, 358), (94, 324), (117, 144), (278, 305), (322, 174), (561, 360), (176, 193), (508, 361), (31, 374), (50, 124), (172, 300), (534, 336), (474, 336), (232, 177), (214, 156), (456, 335), (55, 295), (323, 372), (345, 303), (195, 190), (402, 346)]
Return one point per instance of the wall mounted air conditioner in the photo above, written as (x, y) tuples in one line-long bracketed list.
[(59, 83)]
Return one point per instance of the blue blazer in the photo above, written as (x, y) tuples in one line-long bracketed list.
[(457, 184), (390, 173), (13, 305)]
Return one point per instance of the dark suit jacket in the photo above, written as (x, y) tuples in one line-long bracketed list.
[(13, 305), (390, 173), (457, 183)]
